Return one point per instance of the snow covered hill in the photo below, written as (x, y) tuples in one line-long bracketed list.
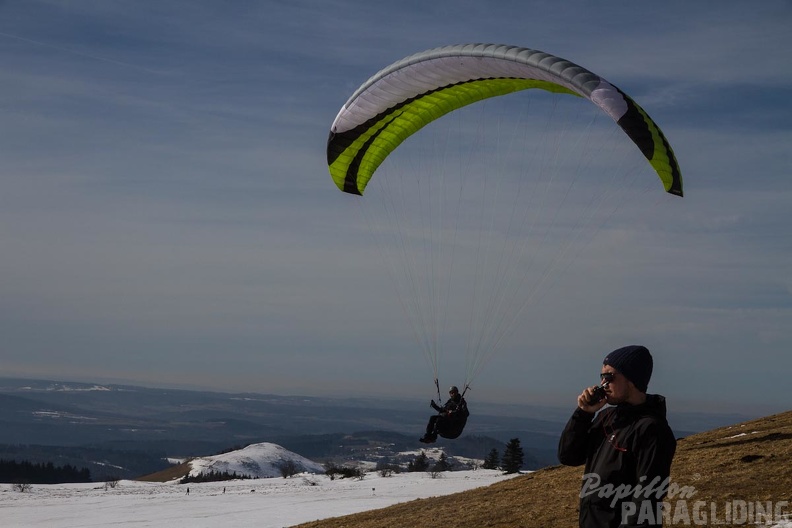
[(262, 460)]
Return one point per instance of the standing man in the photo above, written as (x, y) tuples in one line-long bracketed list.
[(625, 446)]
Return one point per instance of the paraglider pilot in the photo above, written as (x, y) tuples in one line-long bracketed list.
[(450, 419)]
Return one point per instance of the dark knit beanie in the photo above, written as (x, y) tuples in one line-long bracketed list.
[(634, 362)]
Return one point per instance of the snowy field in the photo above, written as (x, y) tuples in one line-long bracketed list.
[(260, 503)]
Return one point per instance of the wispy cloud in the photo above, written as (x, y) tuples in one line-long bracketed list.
[(165, 202)]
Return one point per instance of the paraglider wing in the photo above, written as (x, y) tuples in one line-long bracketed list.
[(407, 95)]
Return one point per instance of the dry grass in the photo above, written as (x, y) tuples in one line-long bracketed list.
[(166, 475), (721, 466)]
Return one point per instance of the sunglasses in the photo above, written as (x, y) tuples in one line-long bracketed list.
[(607, 377)]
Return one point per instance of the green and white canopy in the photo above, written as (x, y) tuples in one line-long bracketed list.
[(407, 95)]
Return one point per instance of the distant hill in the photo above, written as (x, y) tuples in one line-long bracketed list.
[(123, 431), (262, 460), (748, 462), (96, 425), (76, 414), (255, 461)]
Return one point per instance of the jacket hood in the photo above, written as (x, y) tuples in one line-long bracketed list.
[(655, 405)]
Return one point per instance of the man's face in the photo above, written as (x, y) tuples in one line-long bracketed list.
[(618, 389)]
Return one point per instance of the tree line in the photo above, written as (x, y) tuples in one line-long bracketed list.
[(12, 471), (511, 461), (213, 476)]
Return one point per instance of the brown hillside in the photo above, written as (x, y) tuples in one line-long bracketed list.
[(719, 464), (166, 475)]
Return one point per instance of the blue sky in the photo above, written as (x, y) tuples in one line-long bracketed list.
[(166, 216)]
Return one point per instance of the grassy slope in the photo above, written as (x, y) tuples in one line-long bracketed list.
[(166, 475), (722, 466)]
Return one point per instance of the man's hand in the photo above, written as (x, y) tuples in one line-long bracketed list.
[(585, 398)]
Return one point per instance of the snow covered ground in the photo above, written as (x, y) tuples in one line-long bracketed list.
[(260, 503)]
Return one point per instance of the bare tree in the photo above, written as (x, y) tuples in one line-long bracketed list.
[(22, 487), (288, 468)]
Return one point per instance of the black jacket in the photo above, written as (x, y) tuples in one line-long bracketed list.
[(453, 417), (620, 446)]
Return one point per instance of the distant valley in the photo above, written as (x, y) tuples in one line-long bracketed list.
[(121, 431)]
